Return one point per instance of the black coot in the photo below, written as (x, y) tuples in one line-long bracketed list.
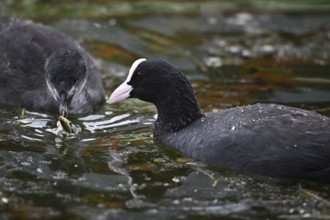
[(43, 69), (262, 139)]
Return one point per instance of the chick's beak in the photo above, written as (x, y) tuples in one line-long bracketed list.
[(121, 93), (63, 108)]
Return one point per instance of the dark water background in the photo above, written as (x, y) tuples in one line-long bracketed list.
[(233, 52)]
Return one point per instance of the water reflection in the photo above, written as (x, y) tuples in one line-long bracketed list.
[(112, 168)]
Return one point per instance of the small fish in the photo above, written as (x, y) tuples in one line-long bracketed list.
[(66, 124)]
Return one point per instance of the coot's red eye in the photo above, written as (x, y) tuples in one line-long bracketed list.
[(139, 75)]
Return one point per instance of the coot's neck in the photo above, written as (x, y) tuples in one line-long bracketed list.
[(176, 113)]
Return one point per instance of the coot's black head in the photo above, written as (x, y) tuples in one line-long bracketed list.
[(152, 81), (158, 82), (65, 76)]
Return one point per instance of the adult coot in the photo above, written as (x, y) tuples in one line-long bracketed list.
[(262, 139), (43, 69)]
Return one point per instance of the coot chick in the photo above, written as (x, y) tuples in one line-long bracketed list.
[(261, 139), (43, 69)]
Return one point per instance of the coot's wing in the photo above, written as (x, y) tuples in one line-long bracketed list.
[(277, 140)]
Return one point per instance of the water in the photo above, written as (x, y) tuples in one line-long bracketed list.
[(234, 53)]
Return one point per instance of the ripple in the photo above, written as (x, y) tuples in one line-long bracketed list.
[(34, 122), (116, 121)]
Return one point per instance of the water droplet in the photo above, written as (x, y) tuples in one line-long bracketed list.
[(246, 53), (267, 49), (176, 201), (188, 199), (213, 61), (241, 19), (234, 49), (4, 200), (25, 163), (97, 25), (176, 179)]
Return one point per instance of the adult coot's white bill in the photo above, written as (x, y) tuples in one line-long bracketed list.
[(43, 69), (262, 139)]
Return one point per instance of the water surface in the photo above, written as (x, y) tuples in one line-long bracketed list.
[(234, 53)]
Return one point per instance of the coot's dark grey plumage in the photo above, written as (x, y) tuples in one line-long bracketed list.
[(43, 69), (263, 139)]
